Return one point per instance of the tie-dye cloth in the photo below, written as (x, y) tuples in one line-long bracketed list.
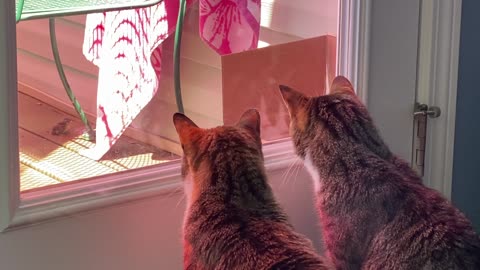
[(125, 45)]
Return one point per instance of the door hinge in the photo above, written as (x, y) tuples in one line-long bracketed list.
[(421, 113)]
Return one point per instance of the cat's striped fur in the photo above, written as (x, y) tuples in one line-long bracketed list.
[(232, 219), (374, 210)]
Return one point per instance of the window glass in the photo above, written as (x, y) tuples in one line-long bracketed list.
[(224, 71)]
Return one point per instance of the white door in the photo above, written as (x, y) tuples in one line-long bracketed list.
[(392, 71), (412, 61), (136, 224)]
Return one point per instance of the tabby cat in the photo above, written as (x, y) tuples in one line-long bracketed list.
[(232, 220), (374, 210)]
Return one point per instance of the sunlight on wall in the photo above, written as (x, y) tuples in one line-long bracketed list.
[(262, 44), (266, 13), (300, 18)]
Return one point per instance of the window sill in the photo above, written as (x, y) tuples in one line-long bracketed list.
[(42, 205)]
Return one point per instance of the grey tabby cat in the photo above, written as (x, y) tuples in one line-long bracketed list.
[(232, 220), (374, 210)]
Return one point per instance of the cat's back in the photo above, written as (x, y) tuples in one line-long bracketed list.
[(271, 245), (425, 231)]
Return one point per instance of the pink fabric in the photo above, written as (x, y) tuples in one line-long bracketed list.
[(230, 26), (125, 45)]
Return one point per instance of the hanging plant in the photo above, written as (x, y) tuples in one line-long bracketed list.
[(176, 56)]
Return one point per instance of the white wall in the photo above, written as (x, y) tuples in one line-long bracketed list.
[(143, 234)]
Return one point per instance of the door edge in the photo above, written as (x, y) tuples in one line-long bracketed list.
[(437, 86)]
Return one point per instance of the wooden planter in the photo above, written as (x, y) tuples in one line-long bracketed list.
[(250, 80)]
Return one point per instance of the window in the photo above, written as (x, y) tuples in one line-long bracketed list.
[(297, 46)]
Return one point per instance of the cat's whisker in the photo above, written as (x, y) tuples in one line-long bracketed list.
[(292, 169), (298, 165), (286, 174), (297, 170), (182, 198), (174, 191), (289, 167)]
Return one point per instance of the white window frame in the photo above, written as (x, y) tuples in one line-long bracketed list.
[(18, 210)]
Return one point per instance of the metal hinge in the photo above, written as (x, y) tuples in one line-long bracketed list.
[(421, 113)]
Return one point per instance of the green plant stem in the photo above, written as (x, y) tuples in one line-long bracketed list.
[(176, 55), (19, 10), (61, 73)]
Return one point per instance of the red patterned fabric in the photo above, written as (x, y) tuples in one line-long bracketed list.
[(230, 26), (125, 45)]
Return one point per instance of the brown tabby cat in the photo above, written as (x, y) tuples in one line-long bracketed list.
[(375, 212), (232, 220)]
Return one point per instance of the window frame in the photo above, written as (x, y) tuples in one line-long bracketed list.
[(18, 210)]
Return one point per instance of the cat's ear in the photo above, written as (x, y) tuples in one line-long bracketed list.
[(185, 127), (342, 85), (250, 120), (296, 105), (293, 99)]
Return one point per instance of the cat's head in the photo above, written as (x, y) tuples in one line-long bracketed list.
[(338, 119), (213, 156)]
